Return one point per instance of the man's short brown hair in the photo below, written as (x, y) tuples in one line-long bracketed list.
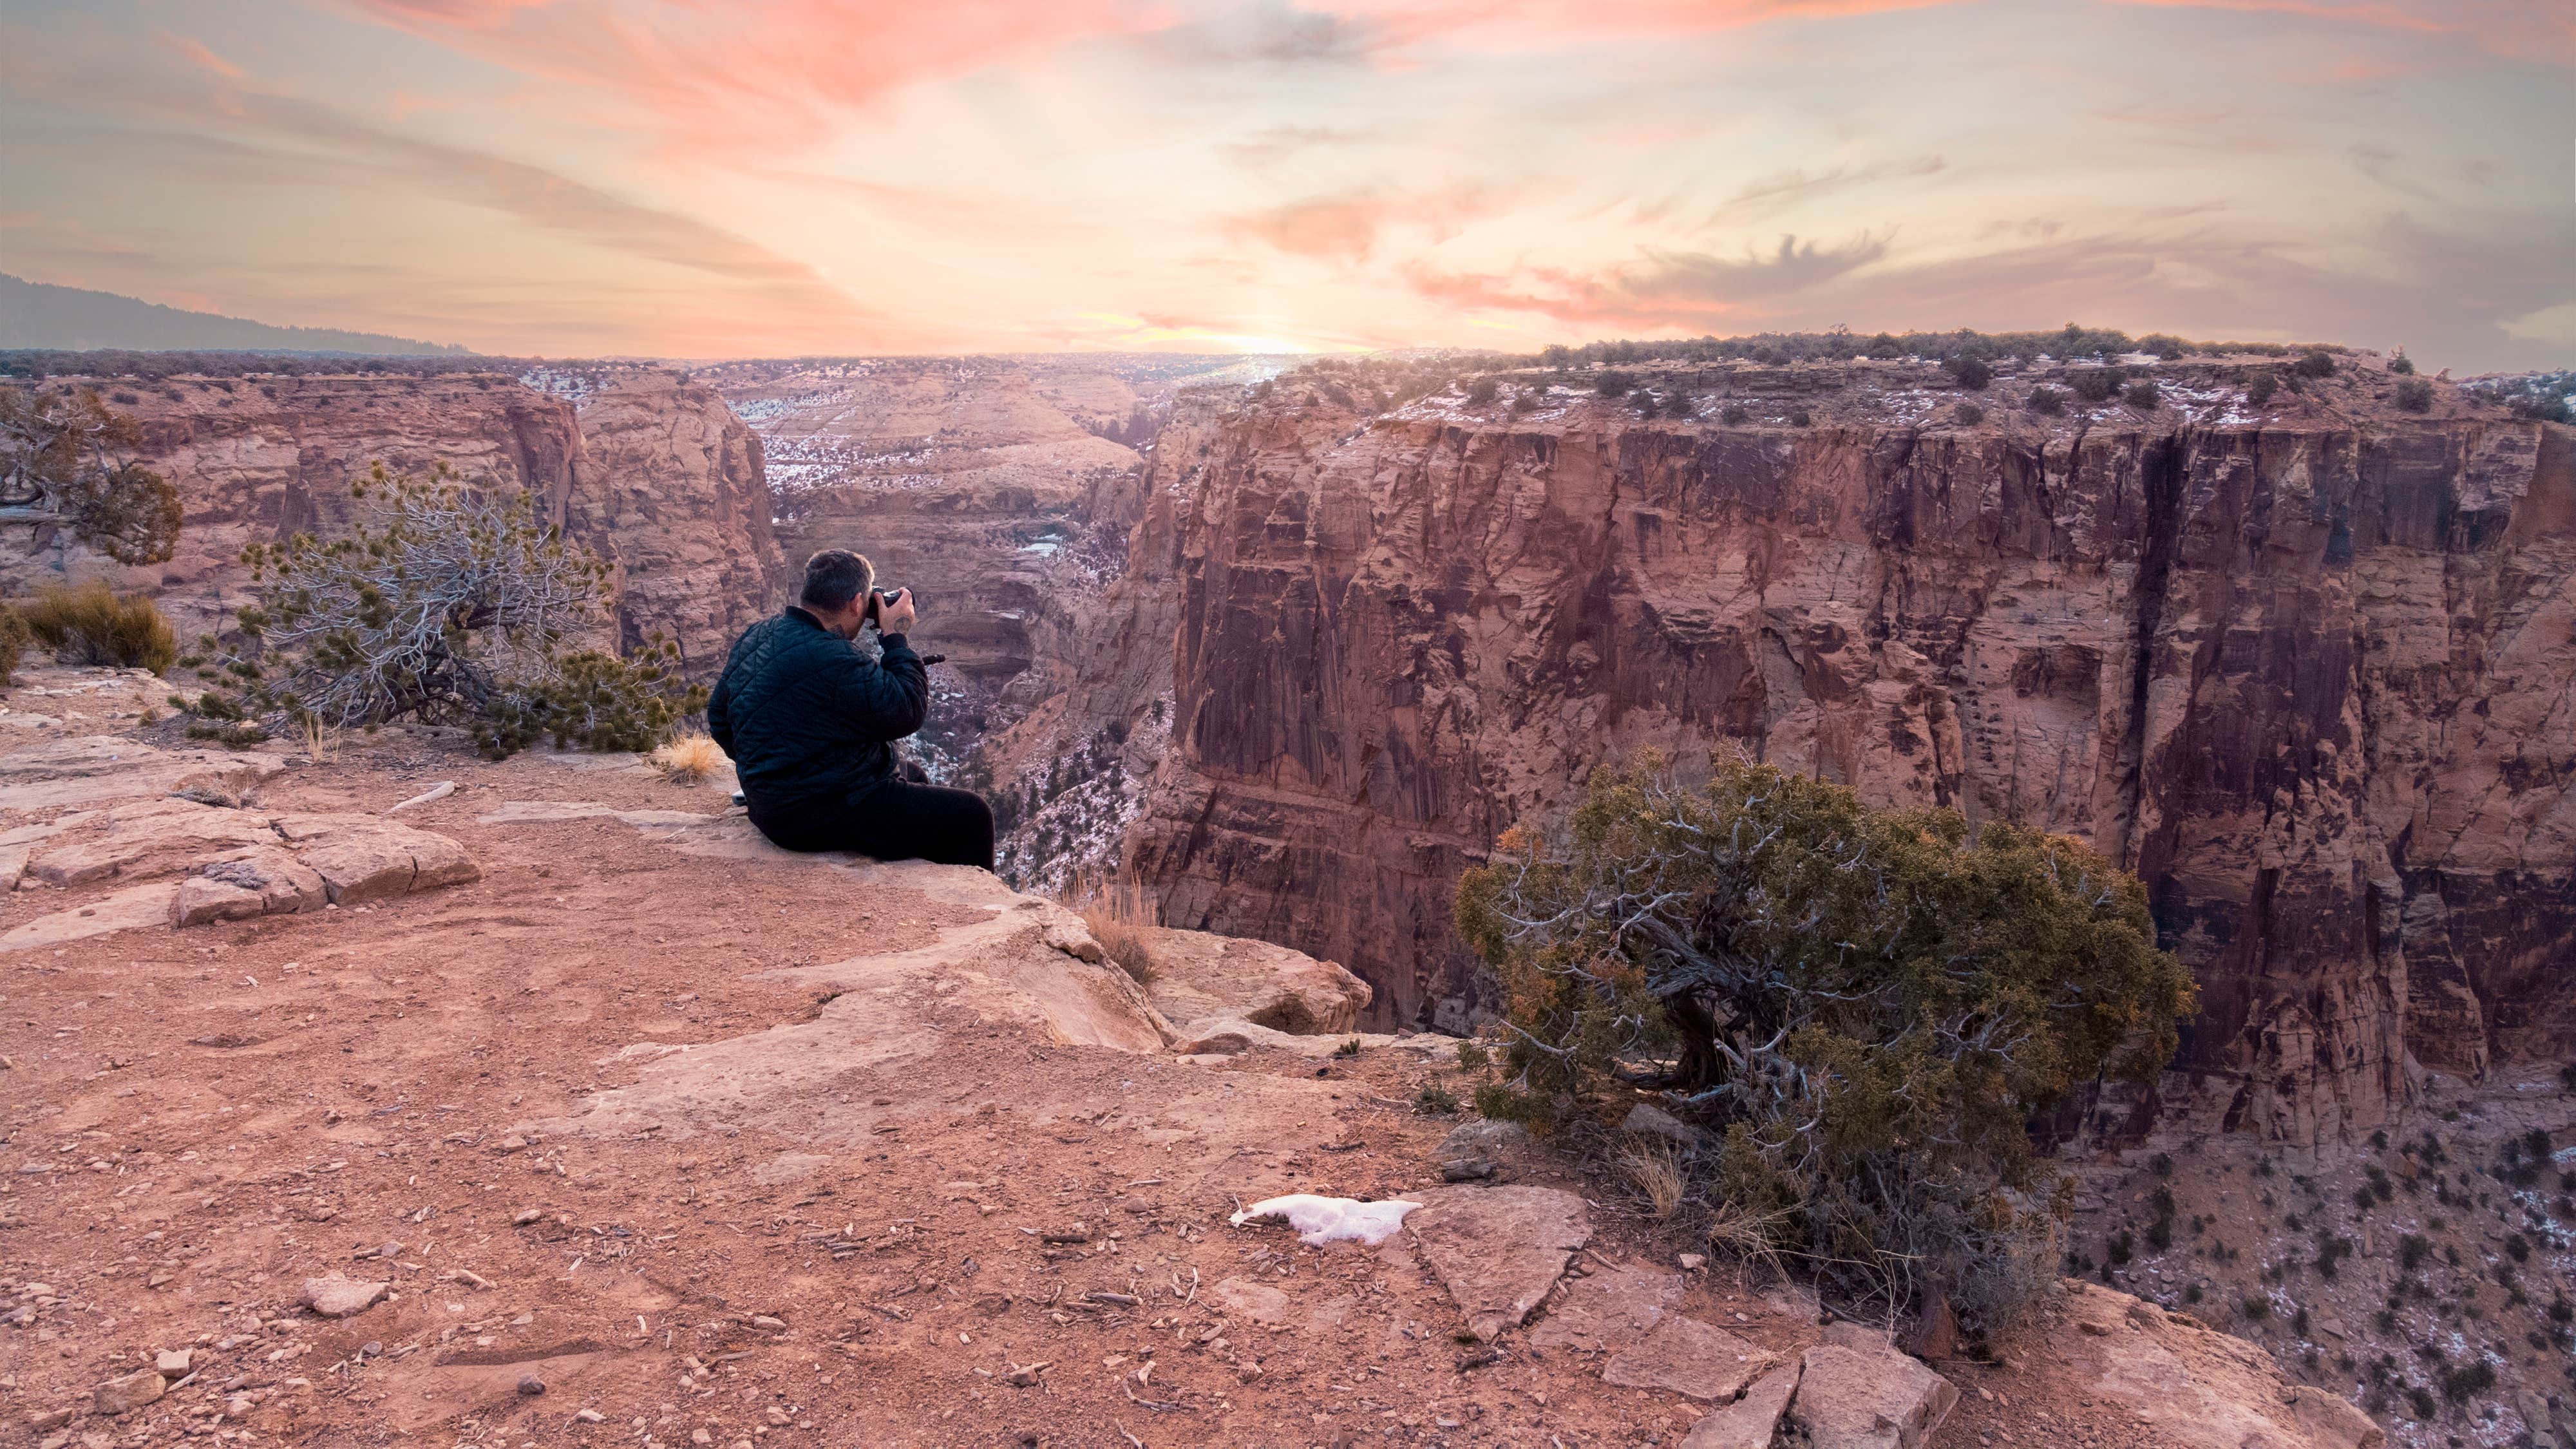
[(834, 577)]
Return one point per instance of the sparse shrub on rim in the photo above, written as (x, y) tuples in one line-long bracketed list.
[(1868, 1006)]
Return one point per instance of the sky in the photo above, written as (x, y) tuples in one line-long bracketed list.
[(726, 178)]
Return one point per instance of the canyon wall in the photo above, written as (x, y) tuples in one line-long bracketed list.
[(654, 473), (2309, 669)]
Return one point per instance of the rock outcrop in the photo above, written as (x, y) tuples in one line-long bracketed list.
[(2307, 669), (178, 860)]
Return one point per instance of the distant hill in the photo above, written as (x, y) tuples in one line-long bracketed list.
[(37, 314)]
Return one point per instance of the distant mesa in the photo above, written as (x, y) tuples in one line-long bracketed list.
[(41, 315)]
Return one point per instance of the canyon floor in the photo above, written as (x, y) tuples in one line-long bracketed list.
[(654, 1135)]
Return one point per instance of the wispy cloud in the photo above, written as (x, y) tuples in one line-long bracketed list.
[(1347, 228)]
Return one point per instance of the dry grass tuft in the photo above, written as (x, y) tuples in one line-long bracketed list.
[(94, 624), (320, 740), (689, 759), (1656, 1172), (1119, 913)]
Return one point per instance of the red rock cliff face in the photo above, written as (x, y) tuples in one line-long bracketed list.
[(654, 473), (673, 491), (2311, 673)]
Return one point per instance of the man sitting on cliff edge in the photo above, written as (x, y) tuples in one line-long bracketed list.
[(810, 722)]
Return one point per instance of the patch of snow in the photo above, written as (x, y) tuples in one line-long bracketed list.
[(1321, 1220)]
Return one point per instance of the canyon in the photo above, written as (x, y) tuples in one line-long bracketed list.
[(1285, 651), (1291, 654)]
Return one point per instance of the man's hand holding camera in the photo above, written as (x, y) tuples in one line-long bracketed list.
[(892, 611)]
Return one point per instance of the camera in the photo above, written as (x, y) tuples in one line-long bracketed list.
[(879, 598)]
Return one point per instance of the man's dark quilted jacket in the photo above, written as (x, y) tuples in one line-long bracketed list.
[(809, 720)]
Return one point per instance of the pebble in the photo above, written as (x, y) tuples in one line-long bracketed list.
[(525, 1217), (531, 1386), (129, 1392), (591, 1416), (173, 1360)]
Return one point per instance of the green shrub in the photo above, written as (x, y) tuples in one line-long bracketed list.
[(2048, 402), (2097, 384), (2412, 1250), (1970, 414), (1509, 1104), (1972, 373), (1435, 1100), (1802, 419), (451, 604), (2402, 365), (2260, 390), (1734, 416), (2144, 395), (2414, 395), (1482, 391), (2315, 362), (1871, 1006), (2469, 1378), (1613, 383), (93, 624), (1472, 1056)]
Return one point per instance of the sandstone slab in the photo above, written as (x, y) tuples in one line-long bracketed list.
[(94, 770), (1198, 976), (1609, 1309), (132, 908), (1498, 1250), (1853, 1398), (1751, 1421), (2198, 1387), (1689, 1357)]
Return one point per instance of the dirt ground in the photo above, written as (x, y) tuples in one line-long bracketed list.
[(1003, 1242)]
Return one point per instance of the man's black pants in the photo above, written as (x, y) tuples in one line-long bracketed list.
[(898, 820)]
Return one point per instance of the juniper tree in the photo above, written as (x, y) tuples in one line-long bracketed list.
[(1870, 1007), (451, 604), (66, 453)]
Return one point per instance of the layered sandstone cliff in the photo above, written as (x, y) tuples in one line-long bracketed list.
[(672, 490), (654, 473), (2310, 669)]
